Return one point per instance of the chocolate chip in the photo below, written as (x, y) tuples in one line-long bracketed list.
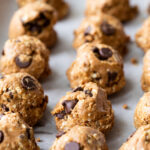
[(87, 31), (112, 76), (3, 52), (72, 146), (38, 24), (5, 108), (60, 115), (88, 92), (1, 136), (28, 133), (28, 83), (77, 89), (107, 29), (11, 95), (103, 53), (22, 64), (69, 105), (59, 134)]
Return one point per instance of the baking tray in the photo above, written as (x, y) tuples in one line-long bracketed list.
[(56, 85)]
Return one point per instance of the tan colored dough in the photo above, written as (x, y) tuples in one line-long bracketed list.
[(87, 67), (145, 80), (142, 36), (81, 137), (142, 112), (25, 54), (121, 9), (60, 5), (22, 93), (103, 29), (15, 134), (89, 107), (35, 19), (140, 140)]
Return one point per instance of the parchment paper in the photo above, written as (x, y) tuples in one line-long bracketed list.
[(56, 85)]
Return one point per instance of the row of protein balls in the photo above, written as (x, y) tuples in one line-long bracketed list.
[(140, 139), (84, 115), (24, 60)]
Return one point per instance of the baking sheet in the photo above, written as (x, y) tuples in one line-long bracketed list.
[(57, 85)]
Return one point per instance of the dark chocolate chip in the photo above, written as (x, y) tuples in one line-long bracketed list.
[(87, 31), (5, 108), (107, 29), (3, 52), (88, 92), (103, 53), (60, 115), (28, 83), (11, 95), (22, 64), (112, 76), (95, 50), (37, 25), (72, 146), (28, 133), (77, 89), (59, 134), (1, 136), (69, 105)]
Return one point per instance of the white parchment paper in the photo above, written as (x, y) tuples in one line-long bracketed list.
[(57, 85)]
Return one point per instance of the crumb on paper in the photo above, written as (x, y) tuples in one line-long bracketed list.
[(125, 106), (38, 139), (134, 61)]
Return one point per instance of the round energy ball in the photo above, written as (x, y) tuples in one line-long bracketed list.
[(25, 54), (15, 134), (121, 9), (22, 93), (104, 29), (86, 105), (142, 114), (35, 19), (139, 140), (142, 36), (80, 137), (61, 6), (100, 64)]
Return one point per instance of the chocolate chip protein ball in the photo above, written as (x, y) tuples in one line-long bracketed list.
[(35, 19), (86, 105), (80, 138), (15, 134), (22, 93), (142, 113), (103, 29), (140, 140), (100, 64), (61, 6), (142, 36), (25, 54), (120, 9), (145, 80)]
